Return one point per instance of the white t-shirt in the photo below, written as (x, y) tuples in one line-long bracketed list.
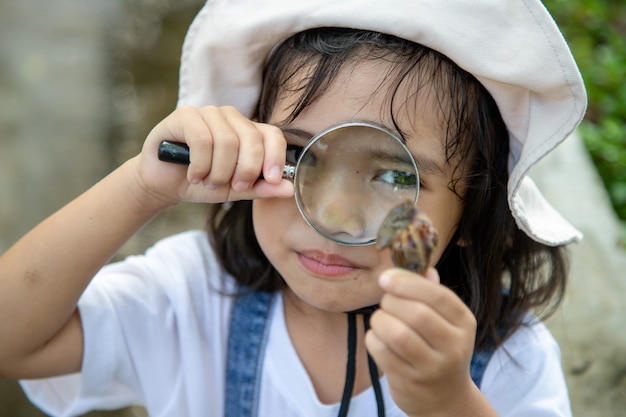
[(156, 329)]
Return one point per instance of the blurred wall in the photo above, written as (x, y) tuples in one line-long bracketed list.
[(81, 84), (54, 105)]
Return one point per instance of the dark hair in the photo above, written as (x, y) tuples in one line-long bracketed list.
[(495, 268)]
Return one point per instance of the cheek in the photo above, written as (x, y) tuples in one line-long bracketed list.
[(385, 262), (445, 216), (271, 218), (263, 220)]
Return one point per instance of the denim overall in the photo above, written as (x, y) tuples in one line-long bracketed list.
[(246, 350)]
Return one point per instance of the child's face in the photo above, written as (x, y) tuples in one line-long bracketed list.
[(323, 274)]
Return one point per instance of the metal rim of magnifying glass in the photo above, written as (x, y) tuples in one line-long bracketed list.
[(314, 139)]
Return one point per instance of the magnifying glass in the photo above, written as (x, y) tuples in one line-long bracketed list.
[(346, 179)]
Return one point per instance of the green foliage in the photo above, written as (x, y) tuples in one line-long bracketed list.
[(596, 32)]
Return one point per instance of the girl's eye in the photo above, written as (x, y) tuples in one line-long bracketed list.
[(398, 178), (293, 154)]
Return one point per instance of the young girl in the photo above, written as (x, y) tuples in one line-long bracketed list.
[(251, 318)]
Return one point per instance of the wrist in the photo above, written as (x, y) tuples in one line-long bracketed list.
[(466, 401), (145, 198)]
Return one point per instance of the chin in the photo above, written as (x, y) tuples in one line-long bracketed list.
[(338, 304)]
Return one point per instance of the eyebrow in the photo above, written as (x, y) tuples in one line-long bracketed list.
[(382, 155), (296, 133), (428, 165), (424, 164)]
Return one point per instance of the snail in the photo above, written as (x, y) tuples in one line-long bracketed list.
[(410, 235)]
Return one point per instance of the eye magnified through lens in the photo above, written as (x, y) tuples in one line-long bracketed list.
[(349, 176), (346, 179)]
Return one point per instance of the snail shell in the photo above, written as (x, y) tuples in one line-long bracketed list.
[(411, 237)]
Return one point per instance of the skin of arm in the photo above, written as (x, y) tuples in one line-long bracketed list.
[(43, 275)]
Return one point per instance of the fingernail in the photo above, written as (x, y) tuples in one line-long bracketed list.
[(384, 280), (275, 173), (241, 186)]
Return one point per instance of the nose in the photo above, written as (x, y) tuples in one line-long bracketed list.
[(341, 217), (338, 210)]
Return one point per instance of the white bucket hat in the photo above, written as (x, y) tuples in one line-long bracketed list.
[(513, 47)]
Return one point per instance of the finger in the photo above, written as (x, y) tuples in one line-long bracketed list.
[(225, 151), (407, 285), (275, 147), (265, 189), (432, 275), (251, 149), (399, 337), (385, 357), (260, 190), (422, 319), (186, 125), (403, 378)]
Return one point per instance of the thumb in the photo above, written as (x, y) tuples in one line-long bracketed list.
[(264, 189), (432, 275)]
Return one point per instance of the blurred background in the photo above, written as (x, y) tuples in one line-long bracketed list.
[(83, 82)]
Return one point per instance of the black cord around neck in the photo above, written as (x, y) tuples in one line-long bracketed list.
[(380, 403), (350, 367), (351, 364)]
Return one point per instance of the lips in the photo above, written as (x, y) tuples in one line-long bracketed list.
[(326, 264)]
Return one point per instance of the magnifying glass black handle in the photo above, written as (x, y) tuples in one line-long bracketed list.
[(174, 152), (178, 153)]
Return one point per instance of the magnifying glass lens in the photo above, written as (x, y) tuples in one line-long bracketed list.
[(349, 177)]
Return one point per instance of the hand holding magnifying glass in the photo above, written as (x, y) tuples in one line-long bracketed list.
[(346, 179)]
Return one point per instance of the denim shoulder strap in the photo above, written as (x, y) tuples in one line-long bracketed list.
[(246, 349), (479, 362)]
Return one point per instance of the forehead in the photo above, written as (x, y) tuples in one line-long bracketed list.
[(364, 89), (375, 91)]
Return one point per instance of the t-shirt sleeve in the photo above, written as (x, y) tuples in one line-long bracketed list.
[(106, 380), (524, 378), (137, 316)]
